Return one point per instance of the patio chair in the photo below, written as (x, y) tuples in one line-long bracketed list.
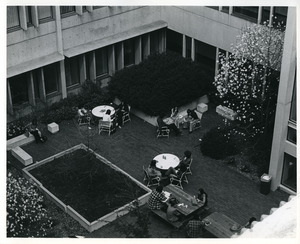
[(162, 130), (188, 168), (151, 181), (178, 181), (126, 115), (196, 123), (106, 126), (83, 119)]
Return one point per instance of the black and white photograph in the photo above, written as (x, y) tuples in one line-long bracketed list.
[(150, 121)]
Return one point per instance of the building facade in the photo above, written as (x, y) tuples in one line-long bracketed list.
[(52, 50)]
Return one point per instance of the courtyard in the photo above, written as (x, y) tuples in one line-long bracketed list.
[(229, 191)]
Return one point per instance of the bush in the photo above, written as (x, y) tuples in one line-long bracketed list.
[(219, 143), (160, 82), (17, 127), (26, 216)]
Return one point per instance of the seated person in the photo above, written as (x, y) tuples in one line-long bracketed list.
[(82, 111), (106, 116), (152, 171), (171, 126), (195, 227), (33, 129), (249, 223), (202, 197), (192, 115), (186, 159), (171, 172), (172, 213), (174, 112), (120, 110), (157, 198)]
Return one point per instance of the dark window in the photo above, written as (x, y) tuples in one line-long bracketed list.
[(174, 41), (292, 135), (265, 15), (19, 88), (221, 55), (225, 9), (214, 7), (95, 7), (154, 42), (279, 16), (87, 64), (248, 13), (144, 46), (129, 53), (13, 19), (205, 54), (44, 14), (101, 61), (118, 50), (289, 172), (28, 15), (293, 113), (51, 78), (36, 82), (66, 11), (188, 47), (72, 69)]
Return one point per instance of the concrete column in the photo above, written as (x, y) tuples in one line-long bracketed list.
[(30, 85), (42, 89), (120, 56), (138, 50), (23, 19), (59, 37), (271, 16), (34, 15), (183, 46), (62, 83), (9, 99), (82, 70), (193, 49), (285, 93), (162, 46), (259, 14), (217, 59), (230, 10), (92, 61), (89, 8), (78, 10), (111, 60), (146, 46)]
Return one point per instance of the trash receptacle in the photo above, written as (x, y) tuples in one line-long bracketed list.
[(265, 184)]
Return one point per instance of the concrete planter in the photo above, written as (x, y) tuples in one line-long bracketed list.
[(89, 226), (19, 141)]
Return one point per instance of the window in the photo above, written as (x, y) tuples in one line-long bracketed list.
[(188, 47), (174, 41), (19, 89), (129, 52), (36, 82), (292, 135), (214, 7), (28, 15), (225, 9), (154, 42), (13, 19), (44, 14), (101, 61), (72, 69), (95, 7), (66, 11), (279, 16), (51, 78), (265, 14), (293, 113), (145, 46), (289, 172), (248, 13), (205, 54)]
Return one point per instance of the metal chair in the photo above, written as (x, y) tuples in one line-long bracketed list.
[(151, 181), (188, 168), (83, 119), (163, 131), (196, 123), (126, 115), (106, 126), (178, 181)]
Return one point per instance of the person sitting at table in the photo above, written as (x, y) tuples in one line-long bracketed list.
[(107, 116), (152, 171), (174, 112), (195, 227), (171, 125), (171, 172), (186, 159), (192, 115), (157, 198), (172, 214), (33, 129), (202, 197)]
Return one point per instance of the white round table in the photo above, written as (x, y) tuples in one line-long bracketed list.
[(166, 160), (101, 110)]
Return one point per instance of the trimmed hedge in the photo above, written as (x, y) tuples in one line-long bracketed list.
[(161, 82)]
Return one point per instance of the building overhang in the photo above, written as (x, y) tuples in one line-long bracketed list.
[(34, 64), (87, 47)]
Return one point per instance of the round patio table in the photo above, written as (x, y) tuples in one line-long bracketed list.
[(166, 160), (101, 110)]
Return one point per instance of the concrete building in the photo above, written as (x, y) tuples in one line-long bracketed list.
[(52, 50)]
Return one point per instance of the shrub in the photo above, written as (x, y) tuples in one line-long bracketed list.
[(160, 83), (26, 216), (17, 127), (219, 143)]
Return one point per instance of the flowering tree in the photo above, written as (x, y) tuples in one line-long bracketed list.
[(247, 80), (26, 216)]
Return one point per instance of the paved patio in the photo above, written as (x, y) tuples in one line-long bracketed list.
[(134, 145)]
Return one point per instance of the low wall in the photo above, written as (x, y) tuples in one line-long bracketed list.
[(68, 209), (19, 141)]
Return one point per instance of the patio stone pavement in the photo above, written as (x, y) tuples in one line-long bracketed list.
[(135, 145)]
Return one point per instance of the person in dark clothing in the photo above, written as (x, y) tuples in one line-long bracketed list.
[(33, 129), (202, 197), (192, 114), (177, 173), (171, 126)]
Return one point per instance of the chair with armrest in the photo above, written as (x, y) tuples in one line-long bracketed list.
[(83, 118), (150, 180), (188, 168), (196, 123), (126, 115), (162, 130), (106, 126), (174, 180)]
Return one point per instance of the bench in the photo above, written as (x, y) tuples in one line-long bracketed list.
[(19, 141), (22, 156)]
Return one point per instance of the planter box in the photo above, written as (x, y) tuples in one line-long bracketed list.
[(226, 112), (19, 141), (53, 128)]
